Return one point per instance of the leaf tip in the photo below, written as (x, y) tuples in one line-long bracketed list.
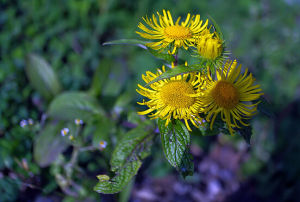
[(102, 178)]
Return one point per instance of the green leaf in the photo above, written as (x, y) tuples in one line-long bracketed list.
[(122, 102), (126, 192), (141, 44), (117, 73), (217, 27), (49, 144), (126, 158), (246, 133), (42, 77), (206, 131), (134, 42), (160, 55), (103, 127), (133, 143), (265, 107), (117, 183), (100, 76), (181, 69), (74, 105), (175, 140), (218, 127)]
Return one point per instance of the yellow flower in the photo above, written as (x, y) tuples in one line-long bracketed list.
[(166, 32), (230, 95), (173, 98), (209, 45)]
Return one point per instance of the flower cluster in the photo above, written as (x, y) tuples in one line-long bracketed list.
[(214, 86), (25, 122), (192, 32)]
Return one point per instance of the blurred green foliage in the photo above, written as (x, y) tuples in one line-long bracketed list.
[(68, 34)]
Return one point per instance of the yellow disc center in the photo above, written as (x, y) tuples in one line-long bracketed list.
[(178, 32), (225, 95), (176, 94)]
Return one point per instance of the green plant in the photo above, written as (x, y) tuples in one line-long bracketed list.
[(179, 94)]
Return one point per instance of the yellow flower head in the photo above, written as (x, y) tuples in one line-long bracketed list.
[(166, 32), (227, 95), (174, 98), (209, 45)]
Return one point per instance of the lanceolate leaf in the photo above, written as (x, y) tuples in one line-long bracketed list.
[(164, 56), (265, 107), (217, 128), (73, 105), (142, 44), (100, 76), (181, 69), (246, 133), (126, 158), (134, 42), (175, 140), (103, 127), (216, 26), (49, 144), (42, 77), (122, 178), (125, 194), (132, 144)]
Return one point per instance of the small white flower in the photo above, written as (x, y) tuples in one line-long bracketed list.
[(78, 122), (71, 137), (64, 131), (30, 122), (23, 123), (102, 145), (201, 122)]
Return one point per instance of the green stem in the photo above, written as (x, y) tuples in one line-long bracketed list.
[(88, 148), (176, 58), (74, 155), (69, 166)]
